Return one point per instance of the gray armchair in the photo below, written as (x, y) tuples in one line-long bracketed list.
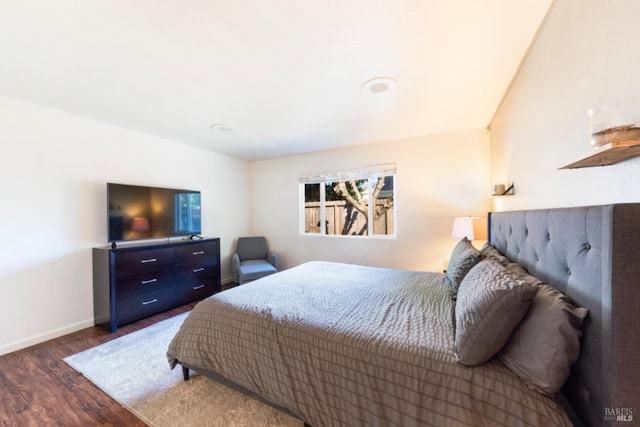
[(253, 260)]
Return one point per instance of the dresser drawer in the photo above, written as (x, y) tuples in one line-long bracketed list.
[(145, 304), (194, 290), (196, 253), (132, 284), (143, 261), (195, 271)]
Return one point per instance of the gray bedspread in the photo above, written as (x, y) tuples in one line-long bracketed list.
[(347, 345)]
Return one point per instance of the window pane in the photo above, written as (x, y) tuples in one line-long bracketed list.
[(383, 210), (312, 208), (188, 216), (346, 207)]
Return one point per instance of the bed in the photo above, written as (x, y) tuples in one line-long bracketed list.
[(337, 344)]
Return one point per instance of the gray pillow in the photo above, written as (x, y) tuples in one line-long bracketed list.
[(489, 251), (492, 300), (463, 257), (547, 342)]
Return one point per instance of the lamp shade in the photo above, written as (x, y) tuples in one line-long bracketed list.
[(140, 224), (471, 227)]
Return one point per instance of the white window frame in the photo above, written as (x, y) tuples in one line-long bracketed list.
[(366, 172)]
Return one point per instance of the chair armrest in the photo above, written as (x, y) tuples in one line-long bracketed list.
[(272, 257), (235, 265)]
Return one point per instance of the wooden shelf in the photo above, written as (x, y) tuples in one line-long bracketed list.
[(509, 192), (609, 154)]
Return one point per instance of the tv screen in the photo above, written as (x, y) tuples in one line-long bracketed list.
[(138, 212)]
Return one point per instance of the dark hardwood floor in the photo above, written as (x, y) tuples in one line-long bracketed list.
[(37, 388)]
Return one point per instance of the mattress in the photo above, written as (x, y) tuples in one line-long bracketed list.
[(347, 345)]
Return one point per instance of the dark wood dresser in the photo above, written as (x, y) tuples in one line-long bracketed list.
[(133, 282)]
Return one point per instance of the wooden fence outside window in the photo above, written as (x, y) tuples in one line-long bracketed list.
[(343, 219)]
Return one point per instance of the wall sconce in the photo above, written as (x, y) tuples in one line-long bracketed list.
[(471, 227), (502, 190), (140, 224)]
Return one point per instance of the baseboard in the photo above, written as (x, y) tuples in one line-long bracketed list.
[(227, 280), (37, 339)]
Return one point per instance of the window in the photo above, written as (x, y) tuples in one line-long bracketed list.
[(355, 203)]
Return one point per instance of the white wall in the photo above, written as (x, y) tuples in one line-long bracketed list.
[(438, 177), (585, 54), (53, 173)]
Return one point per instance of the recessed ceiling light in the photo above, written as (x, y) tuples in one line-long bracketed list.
[(224, 128), (379, 85)]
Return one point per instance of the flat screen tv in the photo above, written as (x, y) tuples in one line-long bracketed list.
[(138, 212)]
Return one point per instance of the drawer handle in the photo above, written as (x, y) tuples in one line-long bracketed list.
[(195, 288), (146, 282), (198, 270), (146, 261), (151, 301), (198, 252)]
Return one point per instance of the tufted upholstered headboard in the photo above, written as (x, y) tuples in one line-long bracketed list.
[(591, 254)]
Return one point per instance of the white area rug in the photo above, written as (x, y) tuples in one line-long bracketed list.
[(133, 370)]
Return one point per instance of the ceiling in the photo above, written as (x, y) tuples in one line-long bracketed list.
[(283, 76)]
